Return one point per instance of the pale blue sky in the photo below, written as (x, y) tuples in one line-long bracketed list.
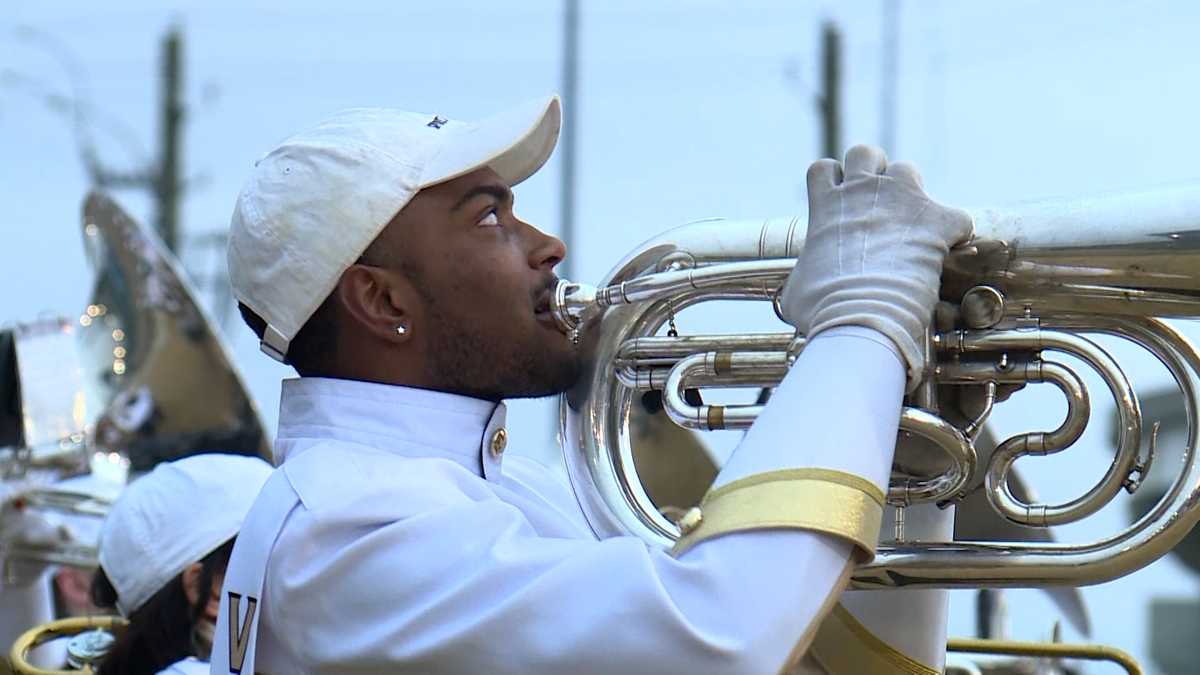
[(684, 112)]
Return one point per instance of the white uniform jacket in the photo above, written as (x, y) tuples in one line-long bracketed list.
[(412, 547)]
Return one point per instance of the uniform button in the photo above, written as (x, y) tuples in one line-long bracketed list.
[(499, 441)]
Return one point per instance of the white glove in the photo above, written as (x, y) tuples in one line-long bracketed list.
[(873, 253)]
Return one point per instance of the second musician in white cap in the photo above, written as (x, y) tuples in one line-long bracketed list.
[(162, 552)]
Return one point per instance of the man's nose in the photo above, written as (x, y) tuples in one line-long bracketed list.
[(547, 251)]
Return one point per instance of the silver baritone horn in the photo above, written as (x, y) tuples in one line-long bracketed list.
[(1038, 280)]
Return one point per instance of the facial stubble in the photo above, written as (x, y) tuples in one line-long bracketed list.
[(471, 360)]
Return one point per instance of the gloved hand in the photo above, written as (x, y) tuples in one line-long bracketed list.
[(873, 253)]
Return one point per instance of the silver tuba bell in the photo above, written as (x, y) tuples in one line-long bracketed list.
[(139, 376), (1039, 279)]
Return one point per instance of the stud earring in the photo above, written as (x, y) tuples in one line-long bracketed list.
[(401, 329)]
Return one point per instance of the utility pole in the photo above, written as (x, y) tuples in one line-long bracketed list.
[(890, 69), (161, 176), (570, 89), (167, 187), (829, 104), (160, 173), (829, 109)]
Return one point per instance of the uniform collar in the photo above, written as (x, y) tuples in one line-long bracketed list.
[(406, 420)]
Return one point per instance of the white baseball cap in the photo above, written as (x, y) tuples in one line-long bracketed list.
[(173, 517), (314, 204)]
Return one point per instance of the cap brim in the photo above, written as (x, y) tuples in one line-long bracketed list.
[(514, 143)]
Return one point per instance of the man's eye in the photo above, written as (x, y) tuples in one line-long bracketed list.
[(490, 219)]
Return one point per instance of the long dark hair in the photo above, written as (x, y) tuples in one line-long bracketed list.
[(160, 632)]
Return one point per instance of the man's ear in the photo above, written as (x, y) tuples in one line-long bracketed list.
[(380, 301), (191, 582)]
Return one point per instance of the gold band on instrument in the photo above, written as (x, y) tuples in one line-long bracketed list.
[(843, 646), (53, 630), (819, 500), (1055, 650)]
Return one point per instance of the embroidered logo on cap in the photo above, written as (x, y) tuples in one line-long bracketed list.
[(436, 122)]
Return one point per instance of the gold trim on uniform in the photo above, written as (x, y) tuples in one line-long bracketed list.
[(820, 500), (843, 646)]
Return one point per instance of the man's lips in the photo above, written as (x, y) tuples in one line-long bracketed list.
[(544, 316), (541, 307), (541, 299)]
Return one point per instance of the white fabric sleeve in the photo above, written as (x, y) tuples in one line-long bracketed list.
[(838, 408), (922, 635)]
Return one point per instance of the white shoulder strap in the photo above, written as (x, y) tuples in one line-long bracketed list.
[(236, 637)]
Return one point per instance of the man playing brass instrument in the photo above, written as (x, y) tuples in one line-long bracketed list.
[(379, 255)]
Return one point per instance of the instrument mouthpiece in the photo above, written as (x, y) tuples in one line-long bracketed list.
[(568, 303)]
